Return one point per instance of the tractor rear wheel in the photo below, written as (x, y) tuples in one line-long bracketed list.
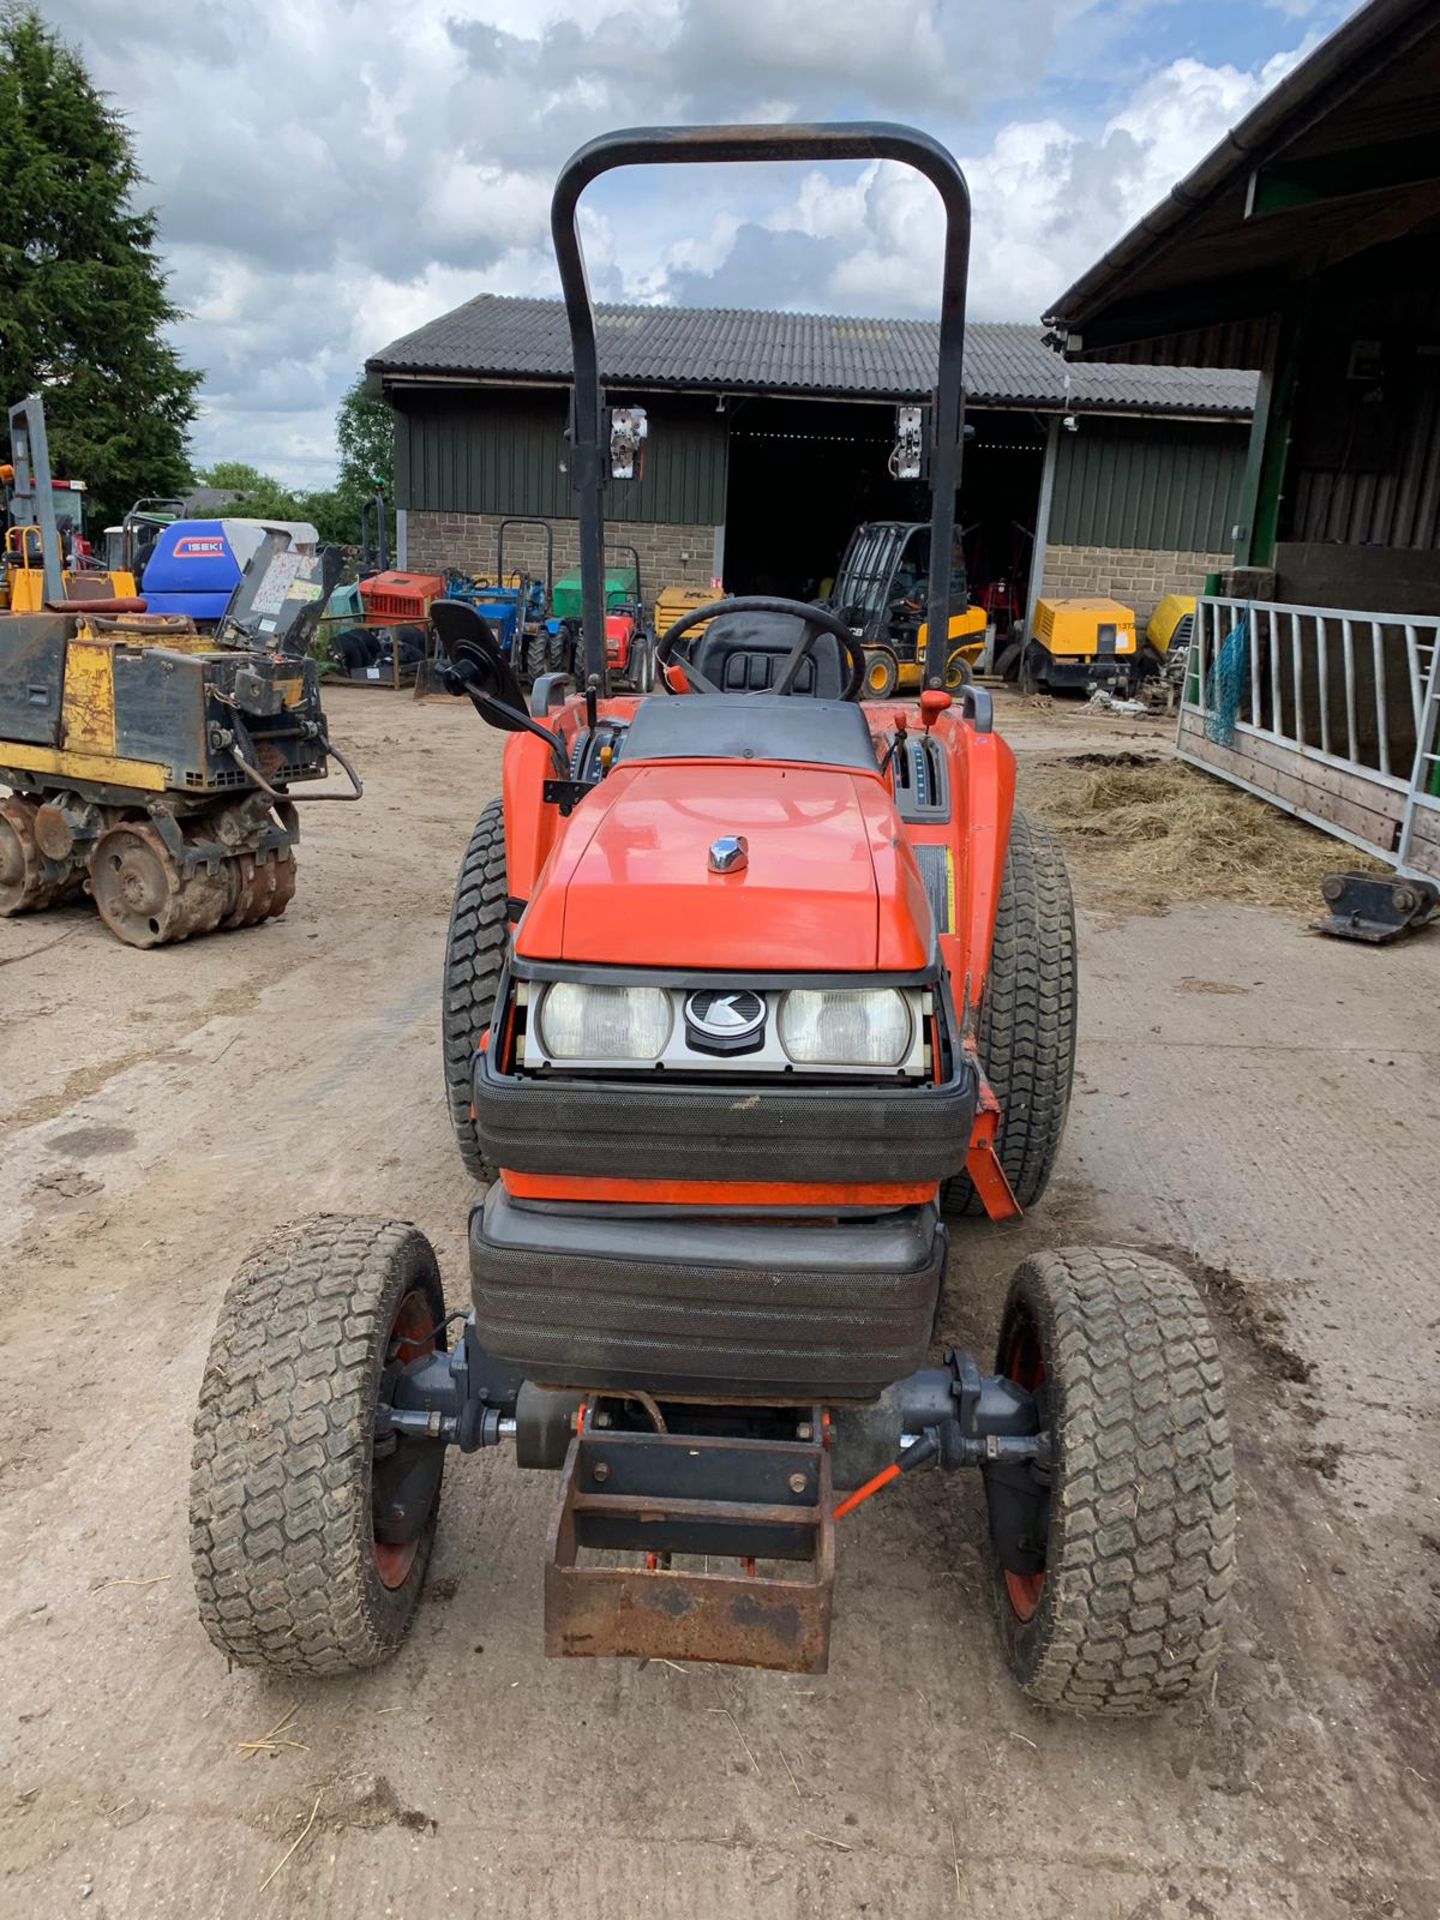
[(474, 957), (534, 657), (305, 1558), (1026, 1035), (1007, 661), (1130, 1533), (558, 652)]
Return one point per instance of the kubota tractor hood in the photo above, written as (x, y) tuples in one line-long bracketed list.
[(829, 881)]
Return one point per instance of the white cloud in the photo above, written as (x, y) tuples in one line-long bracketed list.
[(341, 172), (1046, 201)]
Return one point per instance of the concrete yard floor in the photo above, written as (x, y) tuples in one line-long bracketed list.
[(1261, 1103)]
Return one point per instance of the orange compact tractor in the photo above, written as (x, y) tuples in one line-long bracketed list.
[(748, 988)]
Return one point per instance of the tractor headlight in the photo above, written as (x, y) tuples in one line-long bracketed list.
[(604, 1023), (845, 1027)]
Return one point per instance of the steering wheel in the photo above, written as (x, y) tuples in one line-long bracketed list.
[(817, 620)]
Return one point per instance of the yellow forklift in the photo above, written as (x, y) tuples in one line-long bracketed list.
[(880, 593), (150, 765)]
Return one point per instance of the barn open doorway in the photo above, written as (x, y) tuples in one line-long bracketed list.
[(804, 474)]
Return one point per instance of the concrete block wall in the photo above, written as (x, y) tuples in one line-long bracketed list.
[(1137, 577), (669, 555)]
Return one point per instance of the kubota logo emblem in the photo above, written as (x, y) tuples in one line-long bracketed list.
[(726, 1014)]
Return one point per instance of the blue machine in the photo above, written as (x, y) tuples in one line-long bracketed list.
[(502, 607), (196, 565)]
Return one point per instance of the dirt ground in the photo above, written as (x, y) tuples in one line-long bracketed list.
[(1259, 1102)]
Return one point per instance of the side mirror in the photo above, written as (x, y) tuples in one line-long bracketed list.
[(476, 662), (476, 665)]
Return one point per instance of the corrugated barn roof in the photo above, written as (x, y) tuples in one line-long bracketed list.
[(1007, 363)]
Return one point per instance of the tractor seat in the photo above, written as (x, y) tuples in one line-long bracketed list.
[(744, 652), (827, 733)]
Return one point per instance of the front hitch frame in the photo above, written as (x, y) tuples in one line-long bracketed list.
[(740, 1482)]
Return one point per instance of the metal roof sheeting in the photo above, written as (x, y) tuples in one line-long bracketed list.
[(497, 338), (1204, 258)]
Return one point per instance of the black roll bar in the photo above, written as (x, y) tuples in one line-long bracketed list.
[(623, 546), (670, 146), (527, 520)]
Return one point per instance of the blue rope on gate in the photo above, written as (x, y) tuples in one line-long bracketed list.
[(1226, 686)]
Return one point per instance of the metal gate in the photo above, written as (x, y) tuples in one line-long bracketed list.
[(1327, 712)]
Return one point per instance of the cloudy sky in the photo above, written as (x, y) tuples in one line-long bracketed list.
[(332, 173)]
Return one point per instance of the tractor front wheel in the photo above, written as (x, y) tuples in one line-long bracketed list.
[(1121, 1549), (474, 958), (959, 673), (1026, 1035), (309, 1532), (882, 673)]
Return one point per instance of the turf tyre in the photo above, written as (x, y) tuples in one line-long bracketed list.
[(560, 651), (534, 657), (1026, 1032), (282, 1540), (1140, 1551), (474, 958)]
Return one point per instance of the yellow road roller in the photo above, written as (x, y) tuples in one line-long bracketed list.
[(153, 766)]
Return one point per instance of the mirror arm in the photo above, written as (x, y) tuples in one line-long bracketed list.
[(486, 704)]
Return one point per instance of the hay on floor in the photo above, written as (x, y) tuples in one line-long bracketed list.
[(1145, 832)]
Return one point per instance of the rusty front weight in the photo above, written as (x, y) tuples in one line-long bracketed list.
[(657, 1495)]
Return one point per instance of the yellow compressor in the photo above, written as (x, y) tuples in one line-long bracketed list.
[(1086, 642)]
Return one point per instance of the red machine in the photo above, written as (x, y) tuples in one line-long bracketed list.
[(748, 987), (629, 645), (400, 596)]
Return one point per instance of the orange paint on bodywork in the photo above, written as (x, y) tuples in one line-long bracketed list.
[(532, 828), (718, 1193), (982, 1162), (800, 905), (830, 882), (982, 782)]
